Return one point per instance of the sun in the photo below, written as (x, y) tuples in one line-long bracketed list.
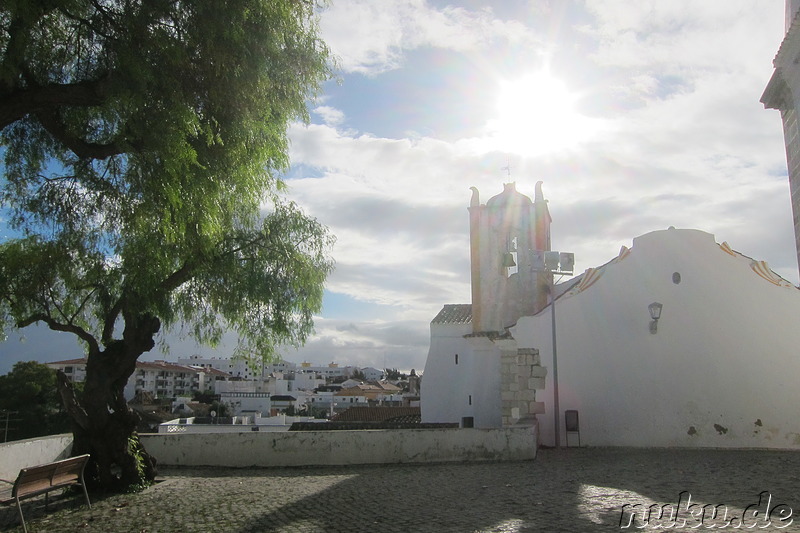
[(537, 113)]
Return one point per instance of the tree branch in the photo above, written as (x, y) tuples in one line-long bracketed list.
[(179, 277), (14, 56), (57, 326), (111, 319), (82, 304), (71, 403), (85, 150), (88, 23), (18, 103)]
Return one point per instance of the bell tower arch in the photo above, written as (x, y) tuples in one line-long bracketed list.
[(503, 234)]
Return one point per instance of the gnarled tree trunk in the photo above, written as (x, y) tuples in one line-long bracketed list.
[(103, 424)]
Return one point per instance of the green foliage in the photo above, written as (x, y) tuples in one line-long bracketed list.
[(205, 397), (143, 143), (135, 451), (29, 392), (392, 373), (220, 408)]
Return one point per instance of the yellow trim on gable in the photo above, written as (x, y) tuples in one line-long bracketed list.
[(727, 248)]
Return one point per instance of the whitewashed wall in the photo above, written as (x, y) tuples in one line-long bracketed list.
[(300, 448), (20, 454), (721, 371), (317, 448), (470, 388)]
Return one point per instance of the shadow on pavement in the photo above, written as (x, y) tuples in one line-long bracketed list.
[(563, 490)]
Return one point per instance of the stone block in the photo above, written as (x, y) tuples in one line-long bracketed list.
[(527, 395), (508, 396), (536, 408), (538, 371), (536, 383)]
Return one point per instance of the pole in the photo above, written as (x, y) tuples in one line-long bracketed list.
[(555, 364)]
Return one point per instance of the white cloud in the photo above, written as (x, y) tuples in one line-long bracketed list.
[(691, 146), (330, 115), (396, 343), (684, 39), (370, 37), (692, 153)]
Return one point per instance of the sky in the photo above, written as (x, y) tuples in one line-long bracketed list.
[(637, 116)]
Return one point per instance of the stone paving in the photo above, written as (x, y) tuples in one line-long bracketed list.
[(568, 490)]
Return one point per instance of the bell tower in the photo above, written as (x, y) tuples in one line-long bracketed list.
[(783, 93), (504, 233)]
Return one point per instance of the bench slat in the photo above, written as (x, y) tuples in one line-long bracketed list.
[(41, 479), (36, 479)]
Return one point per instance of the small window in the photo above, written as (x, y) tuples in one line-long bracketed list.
[(470, 399), (676, 277), (456, 358)]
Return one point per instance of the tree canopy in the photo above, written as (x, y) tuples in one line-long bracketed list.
[(143, 144), (142, 141)]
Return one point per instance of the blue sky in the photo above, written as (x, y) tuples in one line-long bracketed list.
[(636, 115)]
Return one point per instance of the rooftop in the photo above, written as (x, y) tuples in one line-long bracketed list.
[(454, 314)]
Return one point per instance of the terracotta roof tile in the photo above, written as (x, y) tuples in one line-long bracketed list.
[(81, 361), (164, 365)]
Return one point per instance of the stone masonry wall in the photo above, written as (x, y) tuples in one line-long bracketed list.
[(521, 375)]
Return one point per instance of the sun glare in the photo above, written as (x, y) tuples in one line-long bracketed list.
[(537, 114)]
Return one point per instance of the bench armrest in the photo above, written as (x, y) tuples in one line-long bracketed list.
[(5, 492)]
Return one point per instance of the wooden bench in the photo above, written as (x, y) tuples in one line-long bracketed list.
[(41, 479)]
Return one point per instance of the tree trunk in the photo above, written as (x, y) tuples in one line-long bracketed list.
[(103, 424)]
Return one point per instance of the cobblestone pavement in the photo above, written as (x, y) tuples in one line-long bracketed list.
[(571, 490)]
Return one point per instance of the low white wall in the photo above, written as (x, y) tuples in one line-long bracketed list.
[(312, 448), (20, 454)]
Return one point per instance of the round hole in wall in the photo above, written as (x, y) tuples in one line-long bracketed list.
[(676, 277)]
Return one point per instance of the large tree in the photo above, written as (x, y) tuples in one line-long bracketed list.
[(143, 142), (29, 397)]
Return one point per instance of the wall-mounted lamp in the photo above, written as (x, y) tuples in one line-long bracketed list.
[(655, 314)]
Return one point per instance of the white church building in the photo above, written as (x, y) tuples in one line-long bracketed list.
[(718, 368)]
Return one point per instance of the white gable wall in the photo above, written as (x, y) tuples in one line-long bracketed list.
[(721, 371), (447, 387)]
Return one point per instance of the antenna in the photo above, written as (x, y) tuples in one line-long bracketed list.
[(507, 168)]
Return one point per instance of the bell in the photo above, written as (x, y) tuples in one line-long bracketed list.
[(508, 260)]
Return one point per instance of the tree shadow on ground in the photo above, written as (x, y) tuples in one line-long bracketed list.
[(575, 490), (562, 490)]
